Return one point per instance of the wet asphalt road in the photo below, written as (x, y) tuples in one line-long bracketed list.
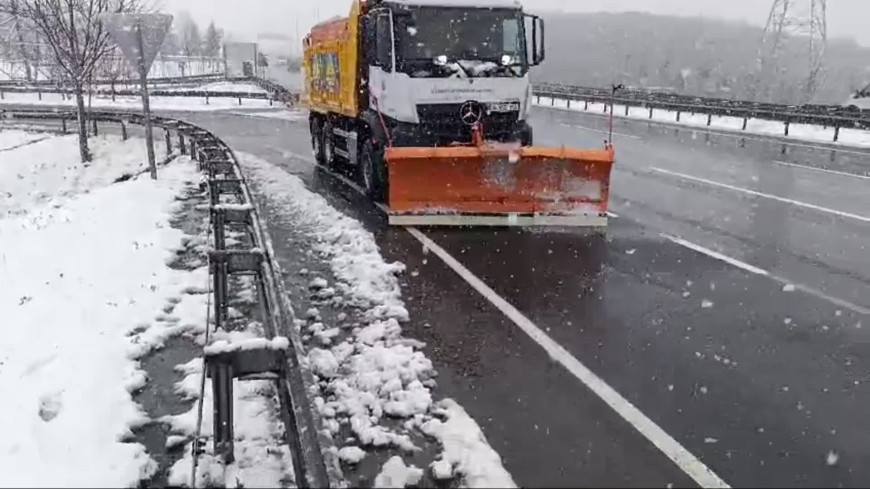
[(761, 386)]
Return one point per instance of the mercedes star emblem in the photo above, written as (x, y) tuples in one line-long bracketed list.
[(471, 113)]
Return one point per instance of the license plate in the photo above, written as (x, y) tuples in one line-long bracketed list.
[(504, 107)]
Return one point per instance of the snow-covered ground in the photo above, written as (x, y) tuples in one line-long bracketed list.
[(10, 140), (804, 132), (190, 104), (375, 384), (87, 292), (83, 262)]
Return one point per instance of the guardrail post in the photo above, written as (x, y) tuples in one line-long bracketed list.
[(678, 116), (244, 364), (63, 124), (745, 122), (569, 103), (836, 133), (221, 373), (709, 120), (585, 105), (626, 110), (240, 100), (206, 98), (39, 94), (2, 97), (220, 279), (552, 101), (650, 112), (123, 131), (787, 123), (168, 137)]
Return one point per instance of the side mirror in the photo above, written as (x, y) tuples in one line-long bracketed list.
[(384, 42), (535, 39)]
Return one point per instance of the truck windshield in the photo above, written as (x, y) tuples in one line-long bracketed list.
[(461, 41)]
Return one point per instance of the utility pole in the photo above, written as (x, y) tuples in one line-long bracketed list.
[(792, 21)]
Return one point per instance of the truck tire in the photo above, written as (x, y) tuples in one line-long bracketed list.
[(316, 141), (372, 171), (328, 145)]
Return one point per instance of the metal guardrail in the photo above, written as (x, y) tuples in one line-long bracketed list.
[(121, 81), (314, 456), (274, 91), (837, 117)]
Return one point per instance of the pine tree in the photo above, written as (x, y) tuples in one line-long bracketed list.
[(212, 46)]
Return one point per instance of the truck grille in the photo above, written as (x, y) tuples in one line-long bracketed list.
[(442, 121)]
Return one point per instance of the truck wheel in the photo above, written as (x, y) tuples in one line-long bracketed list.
[(316, 141), (328, 145), (372, 171)]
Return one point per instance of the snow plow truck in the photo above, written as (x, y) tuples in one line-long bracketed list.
[(426, 102)]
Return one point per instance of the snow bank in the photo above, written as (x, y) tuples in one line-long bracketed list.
[(373, 373), (466, 450), (184, 104), (805, 132), (395, 474), (50, 171), (80, 275)]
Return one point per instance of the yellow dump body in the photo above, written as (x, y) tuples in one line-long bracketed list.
[(333, 55)]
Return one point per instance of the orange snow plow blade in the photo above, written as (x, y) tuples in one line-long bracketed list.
[(498, 185)]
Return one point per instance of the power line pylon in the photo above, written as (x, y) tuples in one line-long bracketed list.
[(792, 20)]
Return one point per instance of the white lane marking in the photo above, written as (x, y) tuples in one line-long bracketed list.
[(767, 196), (717, 255), (612, 215), (758, 271), (823, 170), (687, 462), (602, 131)]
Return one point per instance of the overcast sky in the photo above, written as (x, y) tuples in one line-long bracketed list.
[(848, 18)]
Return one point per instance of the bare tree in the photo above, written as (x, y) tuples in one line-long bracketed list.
[(74, 31)]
